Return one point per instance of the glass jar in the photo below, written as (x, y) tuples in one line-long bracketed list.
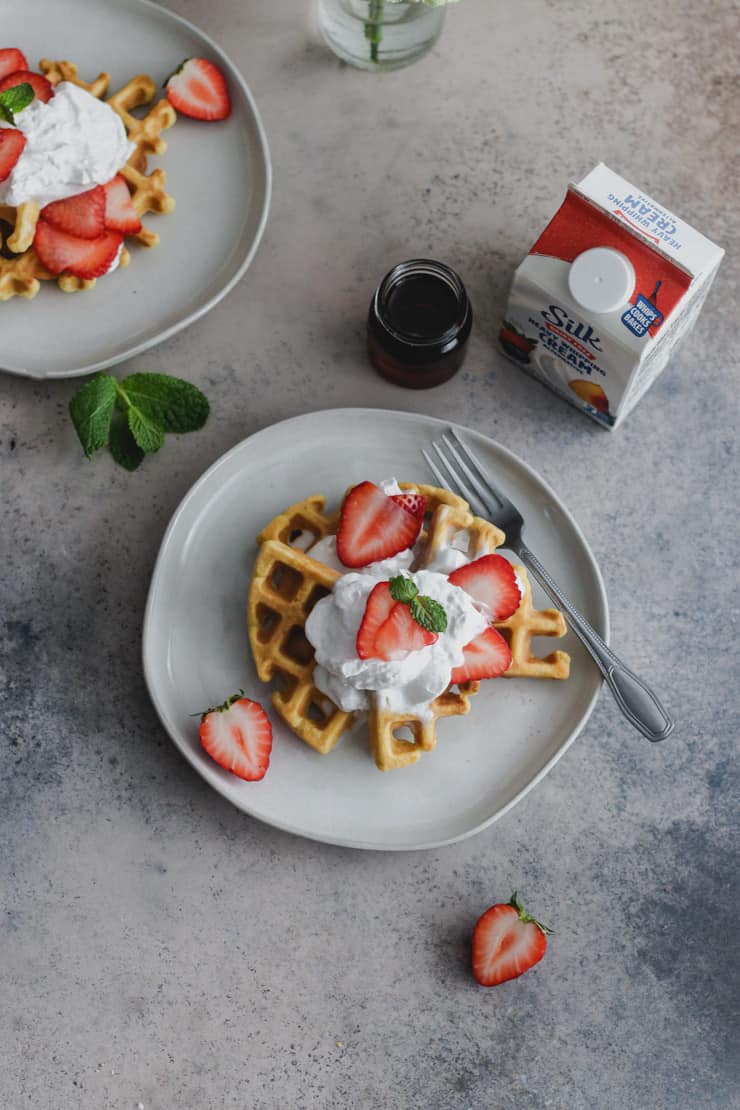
[(418, 324), (378, 34)]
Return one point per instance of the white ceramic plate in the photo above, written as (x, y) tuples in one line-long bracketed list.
[(196, 649), (218, 173)]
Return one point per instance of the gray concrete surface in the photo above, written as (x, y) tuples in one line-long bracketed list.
[(158, 948)]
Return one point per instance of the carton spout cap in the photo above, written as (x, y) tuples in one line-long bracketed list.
[(601, 280)]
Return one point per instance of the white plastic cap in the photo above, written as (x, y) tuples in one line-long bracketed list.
[(601, 279)]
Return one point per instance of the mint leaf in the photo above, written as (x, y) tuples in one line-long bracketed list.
[(403, 589), (91, 410), (149, 405), (428, 613), (175, 405), (15, 100), (123, 446), (147, 432)]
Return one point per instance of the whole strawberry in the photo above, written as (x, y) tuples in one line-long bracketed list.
[(507, 941)]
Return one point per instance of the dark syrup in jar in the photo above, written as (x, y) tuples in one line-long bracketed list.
[(418, 325)]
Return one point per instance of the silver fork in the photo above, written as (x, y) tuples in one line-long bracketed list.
[(634, 697)]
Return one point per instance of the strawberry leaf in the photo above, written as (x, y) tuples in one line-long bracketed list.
[(428, 613), (91, 410)]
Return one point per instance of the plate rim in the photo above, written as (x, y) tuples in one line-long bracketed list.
[(265, 201), (210, 775)]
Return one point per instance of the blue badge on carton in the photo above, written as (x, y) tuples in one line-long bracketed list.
[(641, 316)]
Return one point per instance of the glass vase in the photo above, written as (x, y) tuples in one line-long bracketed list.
[(378, 34)]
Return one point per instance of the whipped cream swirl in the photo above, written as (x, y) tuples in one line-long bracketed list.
[(73, 142), (407, 684)]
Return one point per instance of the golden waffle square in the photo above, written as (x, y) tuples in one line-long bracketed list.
[(286, 584), (20, 268)]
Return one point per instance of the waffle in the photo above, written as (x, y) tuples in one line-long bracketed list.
[(287, 583), (20, 268), (519, 631)]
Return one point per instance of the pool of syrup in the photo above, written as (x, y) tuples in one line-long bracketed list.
[(422, 307)]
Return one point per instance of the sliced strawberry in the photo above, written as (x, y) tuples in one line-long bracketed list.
[(82, 215), (43, 89), (377, 610), (120, 214), (400, 634), (414, 503), (487, 656), (12, 143), (198, 89), (238, 735), (85, 258), (506, 943), (491, 581), (372, 526), (11, 60)]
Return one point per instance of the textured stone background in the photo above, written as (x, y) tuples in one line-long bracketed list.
[(157, 946)]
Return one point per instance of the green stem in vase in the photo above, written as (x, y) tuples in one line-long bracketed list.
[(374, 27)]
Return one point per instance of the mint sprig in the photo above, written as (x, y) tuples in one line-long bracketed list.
[(429, 614), (403, 589), (425, 610), (15, 100), (132, 416)]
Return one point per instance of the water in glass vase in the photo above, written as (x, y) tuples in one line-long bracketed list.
[(378, 34)]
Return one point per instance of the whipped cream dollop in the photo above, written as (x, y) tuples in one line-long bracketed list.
[(410, 683), (73, 142), (405, 685)]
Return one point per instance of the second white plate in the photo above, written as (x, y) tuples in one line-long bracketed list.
[(218, 173), (196, 650)]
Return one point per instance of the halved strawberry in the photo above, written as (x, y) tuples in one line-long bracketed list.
[(85, 258), (238, 735), (377, 610), (12, 143), (491, 581), (82, 215), (400, 633), (43, 89), (373, 526), (120, 214), (198, 89), (487, 656), (11, 60), (414, 503), (506, 943)]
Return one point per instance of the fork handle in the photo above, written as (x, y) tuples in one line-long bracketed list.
[(633, 696)]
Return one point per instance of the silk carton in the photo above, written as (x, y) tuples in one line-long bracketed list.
[(611, 287)]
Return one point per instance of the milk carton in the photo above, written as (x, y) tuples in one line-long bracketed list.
[(606, 293)]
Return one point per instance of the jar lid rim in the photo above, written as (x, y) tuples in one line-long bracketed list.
[(432, 268)]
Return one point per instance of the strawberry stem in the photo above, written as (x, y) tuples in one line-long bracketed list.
[(220, 708), (524, 916), (175, 72)]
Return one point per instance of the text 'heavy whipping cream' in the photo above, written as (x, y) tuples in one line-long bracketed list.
[(606, 293)]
